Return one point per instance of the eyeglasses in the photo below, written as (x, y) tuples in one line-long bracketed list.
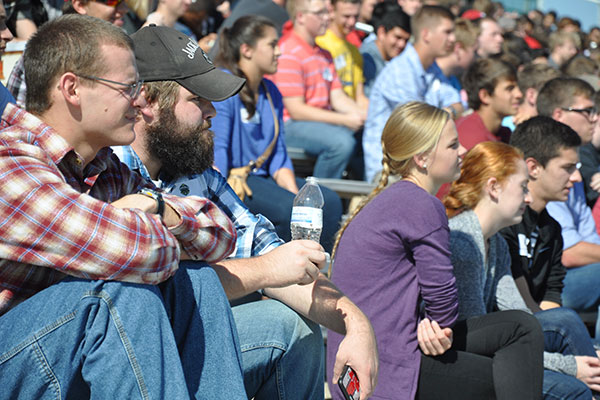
[(589, 112), (110, 3), (320, 13), (133, 89)]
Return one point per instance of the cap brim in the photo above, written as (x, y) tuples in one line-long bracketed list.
[(214, 85)]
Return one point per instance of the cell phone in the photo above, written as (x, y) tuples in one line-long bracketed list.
[(349, 384)]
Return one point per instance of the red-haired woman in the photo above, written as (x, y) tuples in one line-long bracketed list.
[(491, 194)]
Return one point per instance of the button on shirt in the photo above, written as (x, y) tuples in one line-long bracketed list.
[(57, 219), (402, 80), (255, 234)]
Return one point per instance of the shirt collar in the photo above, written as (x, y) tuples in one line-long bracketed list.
[(134, 162), (303, 43), (413, 58), (31, 129), (44, 136)]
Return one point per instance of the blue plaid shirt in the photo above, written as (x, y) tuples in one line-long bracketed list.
[(403, 79), (256, 234)]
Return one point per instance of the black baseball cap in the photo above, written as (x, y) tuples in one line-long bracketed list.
[(165, 54)]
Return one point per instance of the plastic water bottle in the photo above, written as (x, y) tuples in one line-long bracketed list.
[(307, 212)]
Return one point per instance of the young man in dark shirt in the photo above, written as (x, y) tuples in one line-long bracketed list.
[(550, 150), (535, 245)]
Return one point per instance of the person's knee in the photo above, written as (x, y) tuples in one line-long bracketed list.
[(199, 272), (307, 338), (301, 335), (345, 144), (560, 317), (113, 291), (527, 323)]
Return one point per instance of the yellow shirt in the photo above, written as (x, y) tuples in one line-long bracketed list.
[(347, 59)]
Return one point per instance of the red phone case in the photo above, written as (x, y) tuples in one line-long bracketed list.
[(349, 384)]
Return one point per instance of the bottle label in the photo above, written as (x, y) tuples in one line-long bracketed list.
[(307, 217)]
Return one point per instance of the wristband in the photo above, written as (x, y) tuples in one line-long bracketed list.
[(156, 196)]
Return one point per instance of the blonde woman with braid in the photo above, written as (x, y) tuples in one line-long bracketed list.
[(392, 256)]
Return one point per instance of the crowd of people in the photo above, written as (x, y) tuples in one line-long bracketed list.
[(148, 191)]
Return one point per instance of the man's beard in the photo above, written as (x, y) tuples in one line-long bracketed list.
[(182, 150)]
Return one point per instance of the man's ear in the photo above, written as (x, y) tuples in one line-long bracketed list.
[(531, 96), (533, 167), (69, 86), (425, 35), (458, 47), (149, 111), (484, 96), (381, 32), (557, 114), (79, 6)]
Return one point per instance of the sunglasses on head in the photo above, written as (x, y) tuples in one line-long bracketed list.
[(110, 3)]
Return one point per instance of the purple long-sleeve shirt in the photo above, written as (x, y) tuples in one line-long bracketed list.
[(395, 250)]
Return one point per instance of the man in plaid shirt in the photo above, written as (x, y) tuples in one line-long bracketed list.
[(91, 281), (171, 145)]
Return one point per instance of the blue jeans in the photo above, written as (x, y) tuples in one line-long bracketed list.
[(116, 340), (564, 333), (582, 291), (275, 203), (282, 353), (333, 145)]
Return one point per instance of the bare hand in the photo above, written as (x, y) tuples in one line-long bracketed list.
[(296, 262), (522, 116), (224, 8), (354, 121), (595, 182), (588, 371), (207, 42), (359, 351), (433, 340)]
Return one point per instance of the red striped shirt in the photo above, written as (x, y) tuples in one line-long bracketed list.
[(305, 71)]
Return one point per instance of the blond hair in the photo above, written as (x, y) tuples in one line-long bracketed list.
[(293, 6), (466, 32), (428, 17), (164, 93), (559, 38), (413, 128)]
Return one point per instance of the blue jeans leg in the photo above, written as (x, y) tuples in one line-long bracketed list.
[(275, 203), (581, 291), (90, 339), (333, 145), (564, 333), (96, 339), (282, 352), (559, 386), (205, 332)]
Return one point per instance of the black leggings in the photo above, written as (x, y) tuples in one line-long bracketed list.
[(494, 356)]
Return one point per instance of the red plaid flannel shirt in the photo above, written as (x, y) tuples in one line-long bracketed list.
[(56, 218)]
